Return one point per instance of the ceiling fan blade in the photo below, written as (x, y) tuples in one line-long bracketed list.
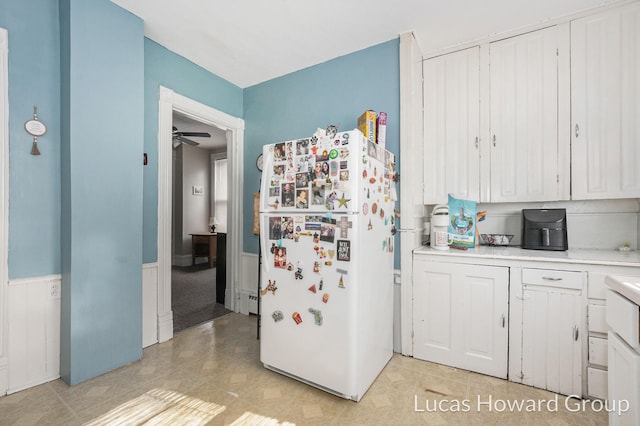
[(197, 134), (187, 141)]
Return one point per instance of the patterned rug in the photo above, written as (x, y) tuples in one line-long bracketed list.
[(160, 407)]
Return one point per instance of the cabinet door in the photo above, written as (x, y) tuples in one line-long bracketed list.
[(605, 104), (551, 339), (624, 369), (451, 126), (460, 316), (524, 117), (484, 292)]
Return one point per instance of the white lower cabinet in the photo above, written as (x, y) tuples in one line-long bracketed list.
[(552, 330), (540, 323), (460, 315)]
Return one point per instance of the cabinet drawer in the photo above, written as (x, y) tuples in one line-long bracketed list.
[(597, 289), (597, 383), (549, 277), (598, 351), (597, 318), (200, 239), (622, 317)]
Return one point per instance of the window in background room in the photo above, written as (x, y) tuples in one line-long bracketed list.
[(220, 194)]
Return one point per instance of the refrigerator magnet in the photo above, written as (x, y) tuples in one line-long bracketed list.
[(345, 224), (341, 282), (370, 226), (297, 317), (344, 250), (317, 316), (325, 298), (312, 289), (298, 273), (344, 201), (271, 287), (277, 316), (365, 209)]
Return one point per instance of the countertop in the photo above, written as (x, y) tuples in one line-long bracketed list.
[(629, 287), (578, 256)]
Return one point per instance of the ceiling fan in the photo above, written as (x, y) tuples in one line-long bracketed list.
[(179, 137)]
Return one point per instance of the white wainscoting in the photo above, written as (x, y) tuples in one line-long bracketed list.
[(247, 290), (33, 317), (149, 304)]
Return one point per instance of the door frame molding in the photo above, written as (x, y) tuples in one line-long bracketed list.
[(4, 208), (169, 101)]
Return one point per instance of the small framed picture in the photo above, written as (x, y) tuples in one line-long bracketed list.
[(198, 190)]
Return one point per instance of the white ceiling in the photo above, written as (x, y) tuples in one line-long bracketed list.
[(247, 42)]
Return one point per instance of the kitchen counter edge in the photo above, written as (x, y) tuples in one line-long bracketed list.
[(511, 253)]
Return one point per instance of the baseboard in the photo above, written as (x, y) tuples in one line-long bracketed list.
[(165, 327), (149, 304)]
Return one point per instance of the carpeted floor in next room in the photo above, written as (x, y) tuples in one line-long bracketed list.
[(193, 296)]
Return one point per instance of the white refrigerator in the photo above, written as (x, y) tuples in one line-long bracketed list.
[(326, 234)]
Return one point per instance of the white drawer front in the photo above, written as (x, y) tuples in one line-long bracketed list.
[(622, 317), (597, 289), (549, 277), (597, 318), (597, 383), (598, 351)]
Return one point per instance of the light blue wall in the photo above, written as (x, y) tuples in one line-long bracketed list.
[(102, 120), (93, 173), (165, 68), (34, 181), (334, 92)]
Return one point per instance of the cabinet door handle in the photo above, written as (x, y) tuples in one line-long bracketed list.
[(552, 278), (576, 333), (477, 142), (503, 320), (577, 130), (494, 140)]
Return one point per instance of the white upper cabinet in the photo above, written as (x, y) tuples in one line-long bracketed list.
[(492, 120), (451, 126), (605, 104), (524, 117)]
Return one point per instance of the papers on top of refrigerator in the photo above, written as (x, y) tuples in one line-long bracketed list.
[(325, 172)]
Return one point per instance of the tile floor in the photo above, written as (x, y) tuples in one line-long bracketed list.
[(218, 362)]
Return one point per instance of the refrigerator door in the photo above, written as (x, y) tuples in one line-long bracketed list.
[(320, 173), (308, 293)]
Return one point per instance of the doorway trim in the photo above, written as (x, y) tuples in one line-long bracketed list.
[(4, 208), (169, 102)]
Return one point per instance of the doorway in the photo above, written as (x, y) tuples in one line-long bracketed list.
[(170, 102), (199, 188)]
